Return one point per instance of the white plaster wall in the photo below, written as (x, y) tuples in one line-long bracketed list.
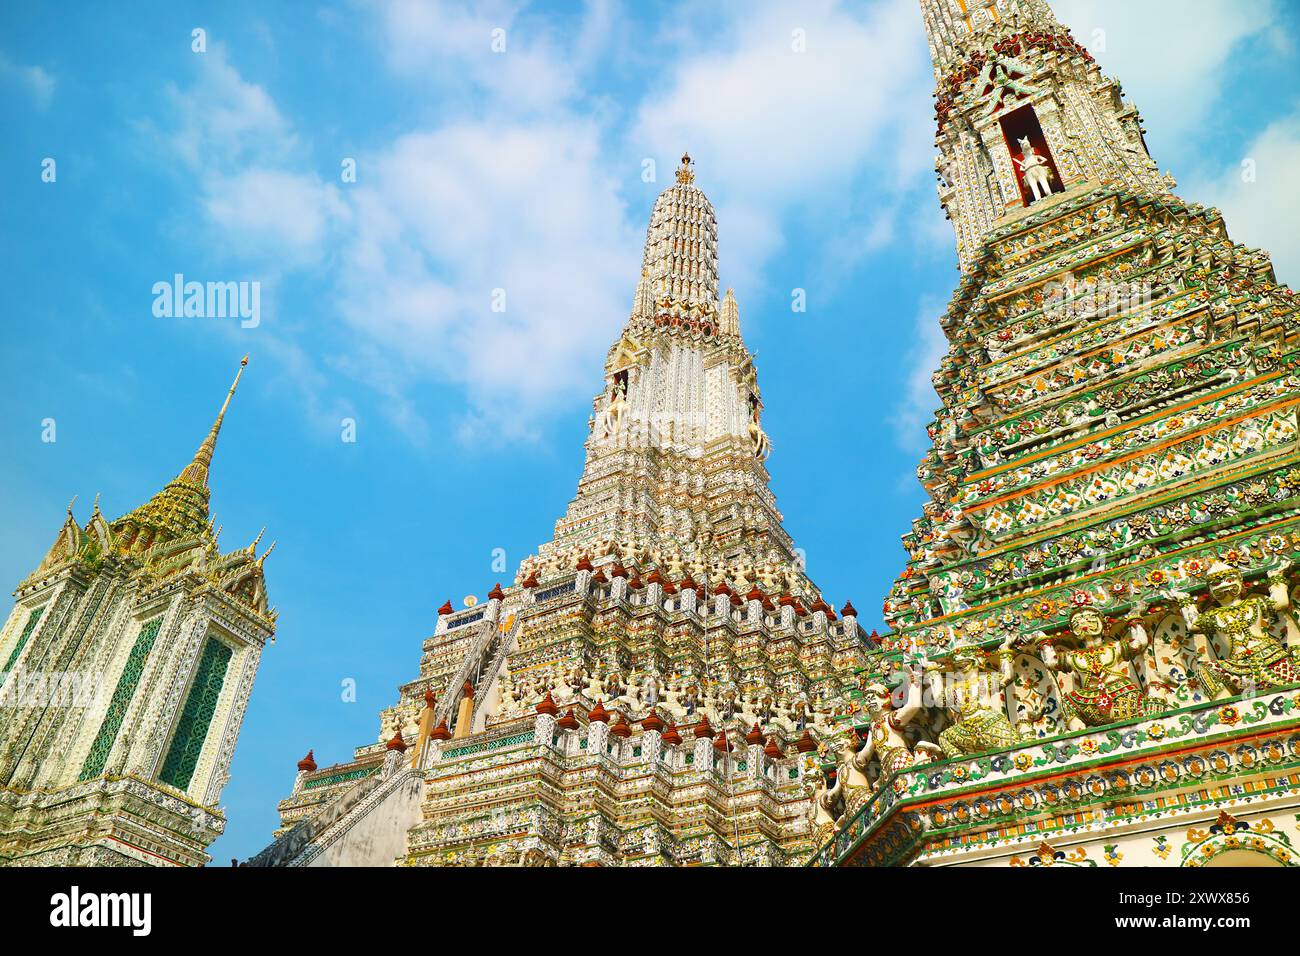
[(378, 838)]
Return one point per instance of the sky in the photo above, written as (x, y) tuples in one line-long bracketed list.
[(381, 168)]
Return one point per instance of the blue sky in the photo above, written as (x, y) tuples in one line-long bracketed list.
[(520, 170)]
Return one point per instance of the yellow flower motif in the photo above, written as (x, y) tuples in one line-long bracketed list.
[(1087, 746), (1156, 732), (1229, 715), (1024, 761)]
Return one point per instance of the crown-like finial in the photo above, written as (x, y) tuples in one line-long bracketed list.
[(685, 174)]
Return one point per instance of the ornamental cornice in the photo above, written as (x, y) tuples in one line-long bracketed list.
[(1193, 375), (1092, 450), (1044, 601), (973, 281), (1114, 767), (145, 798)]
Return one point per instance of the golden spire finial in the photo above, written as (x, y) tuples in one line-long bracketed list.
[(197, 470), (685, 174)]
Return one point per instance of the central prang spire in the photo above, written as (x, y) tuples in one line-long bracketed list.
[(675, 473), (681, 249), (180, 509)]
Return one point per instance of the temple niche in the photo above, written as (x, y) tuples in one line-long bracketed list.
[(1036, 171)]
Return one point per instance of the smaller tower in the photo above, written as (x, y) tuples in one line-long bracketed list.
[(128, 659)]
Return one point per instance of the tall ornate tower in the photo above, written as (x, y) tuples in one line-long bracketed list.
[(675, 456), (646, 690), (129, 657), (1096, 606)]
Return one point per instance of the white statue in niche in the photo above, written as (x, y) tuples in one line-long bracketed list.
[(611, 418), (1035, 169), (762, 444)]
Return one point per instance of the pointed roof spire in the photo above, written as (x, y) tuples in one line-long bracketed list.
[(181, 509), (197, 470), (680, 260)]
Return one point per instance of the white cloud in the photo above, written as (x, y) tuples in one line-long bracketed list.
[(838, 138), (447, 217), (438, 219), (1171, 58), (920, 400), (224, 123), (36, 80), (243, 154), (274, 215), (782, 131), (1263, 211), (487, 46)]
